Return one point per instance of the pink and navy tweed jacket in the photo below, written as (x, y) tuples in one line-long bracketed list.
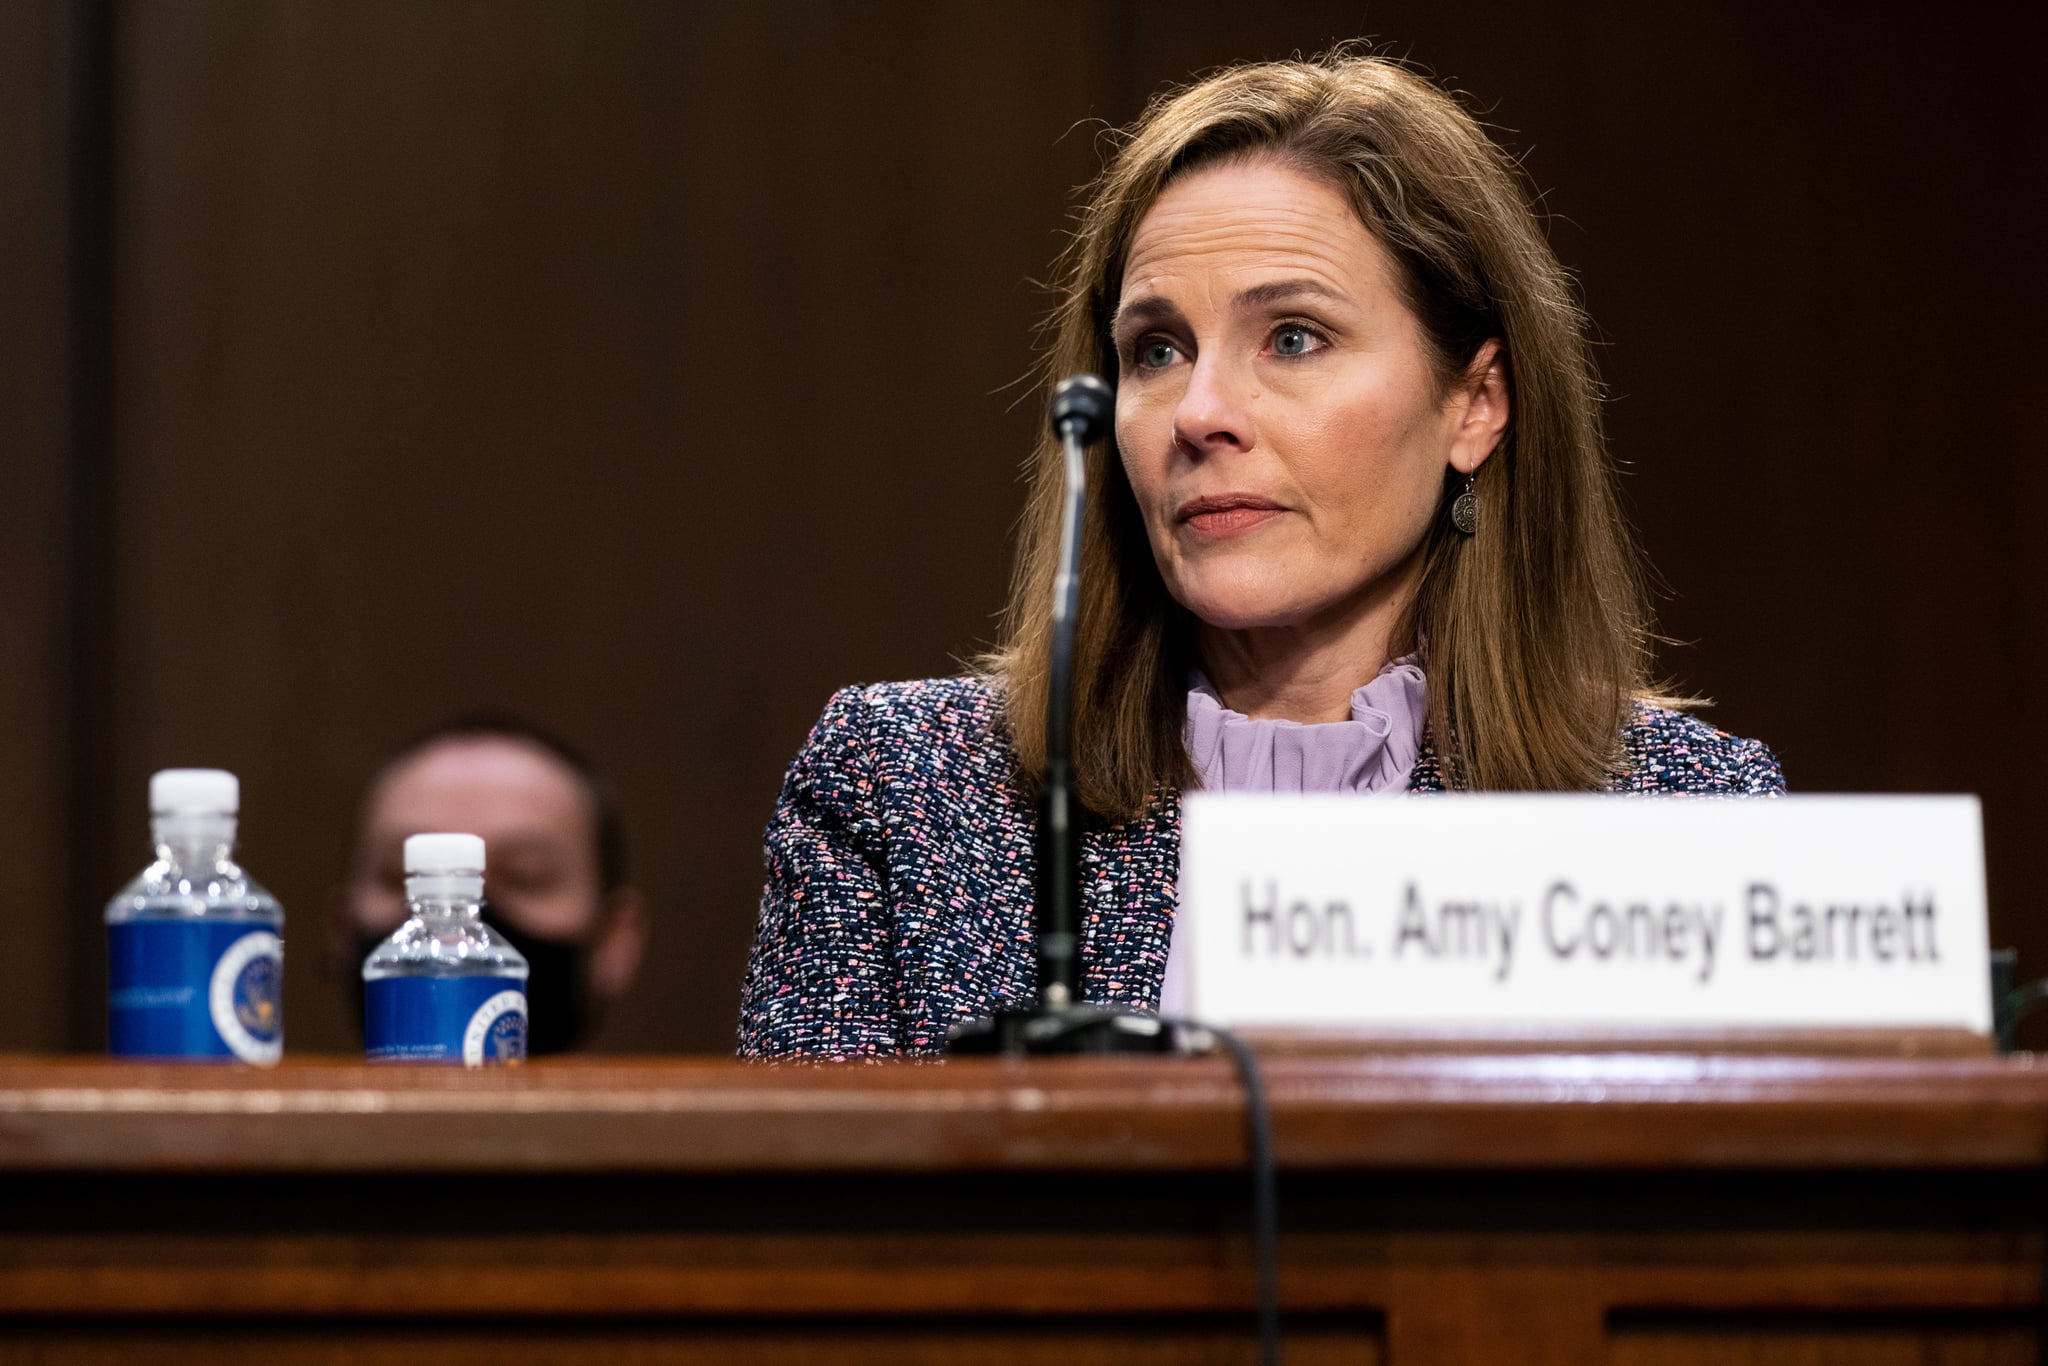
[(900, 861)]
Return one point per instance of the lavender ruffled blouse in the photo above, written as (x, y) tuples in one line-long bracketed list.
[(1372, 753)]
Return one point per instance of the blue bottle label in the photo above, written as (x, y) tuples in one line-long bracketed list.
[(475, 1021), (195, 989)]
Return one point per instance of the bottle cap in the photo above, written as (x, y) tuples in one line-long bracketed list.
[(432, 854), (195, 792)]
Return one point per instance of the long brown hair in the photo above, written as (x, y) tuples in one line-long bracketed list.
[(1536, 632)]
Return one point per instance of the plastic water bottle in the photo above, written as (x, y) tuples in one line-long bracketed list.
[(445, 987), (195, 949)]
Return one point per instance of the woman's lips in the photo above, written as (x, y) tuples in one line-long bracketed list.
[(1227, 514)]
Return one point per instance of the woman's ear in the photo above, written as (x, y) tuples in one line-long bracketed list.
[(1480, 407)]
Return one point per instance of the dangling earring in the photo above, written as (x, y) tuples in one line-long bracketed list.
[(1465, 510)]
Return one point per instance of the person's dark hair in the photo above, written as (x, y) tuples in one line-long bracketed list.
[(1536, 634), (609, 826)]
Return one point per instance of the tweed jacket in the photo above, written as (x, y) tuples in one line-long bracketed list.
[(900, 863)]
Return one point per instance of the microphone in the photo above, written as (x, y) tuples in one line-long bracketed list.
[(1082, 406), (1082, 410)]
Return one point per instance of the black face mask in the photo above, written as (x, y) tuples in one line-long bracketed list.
[(557, 989)]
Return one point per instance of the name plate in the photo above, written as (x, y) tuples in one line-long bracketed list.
[(1800, 912)]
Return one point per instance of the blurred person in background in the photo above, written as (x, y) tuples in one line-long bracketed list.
[(555, 884)]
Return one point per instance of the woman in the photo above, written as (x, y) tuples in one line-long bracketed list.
[(1356, 531)]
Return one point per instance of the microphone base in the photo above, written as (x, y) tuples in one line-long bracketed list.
[(1080, 1029)]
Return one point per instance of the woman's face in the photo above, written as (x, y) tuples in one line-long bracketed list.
[(1276, 410)]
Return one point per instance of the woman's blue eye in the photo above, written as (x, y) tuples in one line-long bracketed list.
[(1292, 341), (1155, 354)]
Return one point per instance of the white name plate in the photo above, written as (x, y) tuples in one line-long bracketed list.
[(1801, 912)]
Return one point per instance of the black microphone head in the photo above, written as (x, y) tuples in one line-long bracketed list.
[(1084, 403)]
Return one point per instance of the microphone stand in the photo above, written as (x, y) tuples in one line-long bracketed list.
[(1059, 1022)]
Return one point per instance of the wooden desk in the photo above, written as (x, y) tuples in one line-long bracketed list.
[(1629, 1209)]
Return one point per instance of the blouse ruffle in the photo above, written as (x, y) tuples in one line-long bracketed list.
[(1375, 751)]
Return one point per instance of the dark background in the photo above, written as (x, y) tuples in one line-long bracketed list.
[(642, 367)]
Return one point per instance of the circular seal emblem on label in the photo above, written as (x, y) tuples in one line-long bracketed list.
[(497, 1032), (246, 997)]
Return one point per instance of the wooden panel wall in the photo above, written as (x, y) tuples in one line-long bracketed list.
[(641, 367), (36, 334)]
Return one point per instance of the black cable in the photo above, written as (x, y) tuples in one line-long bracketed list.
[(1258, 1139)]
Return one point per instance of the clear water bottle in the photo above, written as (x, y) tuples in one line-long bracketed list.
[(445, 987), (195, 949)]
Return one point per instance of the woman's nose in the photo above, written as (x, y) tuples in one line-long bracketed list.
[(1213, 414)]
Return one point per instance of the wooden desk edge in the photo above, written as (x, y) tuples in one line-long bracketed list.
[(1418, 1110)]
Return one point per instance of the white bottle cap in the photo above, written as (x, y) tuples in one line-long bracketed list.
[(444, 854), (194, 792)]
